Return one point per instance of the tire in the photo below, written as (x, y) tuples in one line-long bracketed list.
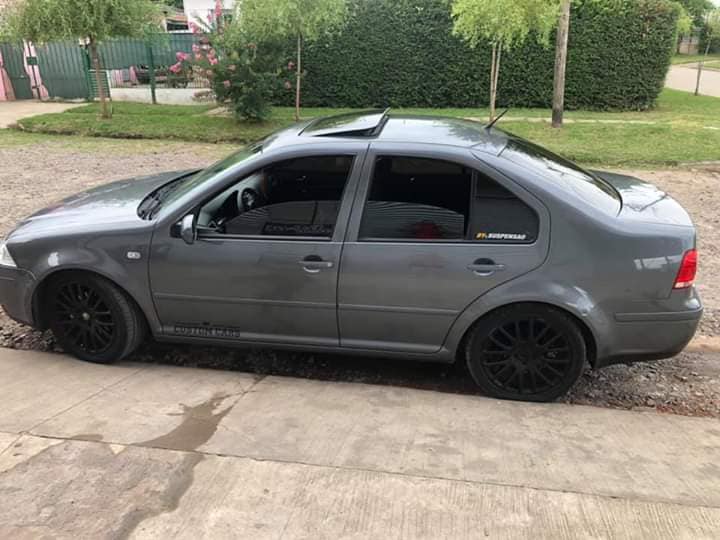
[(93, 319), (526, 352)]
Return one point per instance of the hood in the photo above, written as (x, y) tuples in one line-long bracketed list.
[(113, 203), (644, 202)]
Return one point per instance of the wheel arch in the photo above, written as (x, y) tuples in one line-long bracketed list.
[(41, 289), (587, 333)]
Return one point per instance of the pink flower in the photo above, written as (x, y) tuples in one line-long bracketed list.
[(288, 85), (195, 48), (198, 57), (210, 18), (213, 61), (176, 68), (226, 84), (291, 65), (218, 9), (211, 52), (181, 56), (232, 67), (194, 28)]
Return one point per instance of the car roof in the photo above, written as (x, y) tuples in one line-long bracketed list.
[(381, 125)]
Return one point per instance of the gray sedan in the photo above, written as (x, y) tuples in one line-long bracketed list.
[(426, 238)]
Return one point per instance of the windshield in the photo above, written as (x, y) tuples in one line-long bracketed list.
[(175, 190), (564, 174)]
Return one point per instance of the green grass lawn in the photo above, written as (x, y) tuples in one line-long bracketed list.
[(681, 128), (690, 58)]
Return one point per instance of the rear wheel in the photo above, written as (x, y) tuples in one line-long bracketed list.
[(526, 352), (92, 318)]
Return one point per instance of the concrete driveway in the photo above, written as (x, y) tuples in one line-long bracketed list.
[(147, 451), (684, 77), (12, 111)]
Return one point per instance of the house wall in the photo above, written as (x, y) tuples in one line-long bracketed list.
[(199, 9)]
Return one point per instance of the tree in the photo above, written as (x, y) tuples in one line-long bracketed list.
[(303, 20), (561, 48), (696, 9), (94, 21), (684, 24), (712, 25), (505, 24)]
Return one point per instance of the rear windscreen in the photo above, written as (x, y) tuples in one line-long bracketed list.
[(564, 174)]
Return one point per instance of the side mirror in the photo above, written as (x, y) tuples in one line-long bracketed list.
[(187, 229)]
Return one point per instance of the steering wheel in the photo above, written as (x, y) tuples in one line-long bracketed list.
[(250, 199)]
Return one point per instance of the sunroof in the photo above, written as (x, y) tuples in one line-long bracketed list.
[(356, 124)]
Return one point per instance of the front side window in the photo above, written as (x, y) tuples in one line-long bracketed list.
[(295, 198), (420, 199)]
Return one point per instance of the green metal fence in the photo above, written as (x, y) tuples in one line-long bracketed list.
[(129, 63), (14, 67), (138, 62), (63, 68)]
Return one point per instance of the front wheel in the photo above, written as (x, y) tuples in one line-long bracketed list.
[(526, 353), (92, 318)]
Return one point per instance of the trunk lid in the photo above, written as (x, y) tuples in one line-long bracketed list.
[(644, 202)]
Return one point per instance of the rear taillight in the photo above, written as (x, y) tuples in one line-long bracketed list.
[(688, 269)]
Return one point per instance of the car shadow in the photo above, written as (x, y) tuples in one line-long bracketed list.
[(450, 378)]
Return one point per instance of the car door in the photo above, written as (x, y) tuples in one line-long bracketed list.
[(269, 273), (432, 229)]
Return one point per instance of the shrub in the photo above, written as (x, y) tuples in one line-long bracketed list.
[(239, 73), (402, 53)]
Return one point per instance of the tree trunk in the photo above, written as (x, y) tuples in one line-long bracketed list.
[(298, 80), (701, 64), (561, 49), (95, 58)]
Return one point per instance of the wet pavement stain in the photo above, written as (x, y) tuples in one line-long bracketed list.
[(90, 437), (199, 423), (49, 494)]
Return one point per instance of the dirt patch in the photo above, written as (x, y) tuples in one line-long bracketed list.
[(34, 176)]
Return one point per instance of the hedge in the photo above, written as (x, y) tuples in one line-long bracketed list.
[(402, 53)]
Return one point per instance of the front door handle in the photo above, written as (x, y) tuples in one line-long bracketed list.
[(485, 267), (313, 264)]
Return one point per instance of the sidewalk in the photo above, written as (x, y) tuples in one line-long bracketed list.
[(151, 451), (12, 111), (684, 77)]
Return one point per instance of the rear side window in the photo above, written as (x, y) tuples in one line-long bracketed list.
[(499, 217), (417, 199), (420, 199)]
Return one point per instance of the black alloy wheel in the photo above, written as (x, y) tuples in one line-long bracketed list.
[(532, 353), (92, 318)]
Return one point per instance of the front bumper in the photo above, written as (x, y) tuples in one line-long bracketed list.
[(16, 287)]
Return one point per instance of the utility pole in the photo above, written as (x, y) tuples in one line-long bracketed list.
[(561, 49)]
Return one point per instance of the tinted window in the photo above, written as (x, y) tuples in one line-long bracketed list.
[(422, 199), (300, 197), (417, 199), (565, 174), (499, 217)]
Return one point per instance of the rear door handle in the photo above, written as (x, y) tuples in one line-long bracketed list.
[(485, 270), (314, 264)]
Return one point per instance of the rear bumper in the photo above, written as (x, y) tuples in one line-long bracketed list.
[(15, 292), (650, 336)]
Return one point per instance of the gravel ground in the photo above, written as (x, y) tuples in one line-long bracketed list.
[(35, 175)]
